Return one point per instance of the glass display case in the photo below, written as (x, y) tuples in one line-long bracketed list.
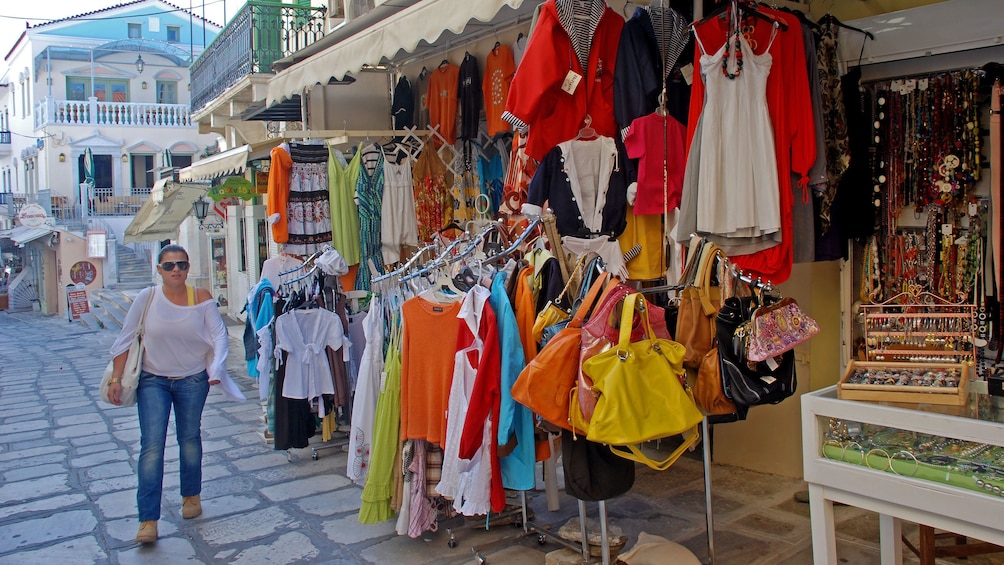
[(938, 465)]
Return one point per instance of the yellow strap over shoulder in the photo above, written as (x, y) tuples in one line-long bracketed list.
[(191, 295)]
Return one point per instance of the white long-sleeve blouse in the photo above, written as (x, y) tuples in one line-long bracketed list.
[(180, 340)]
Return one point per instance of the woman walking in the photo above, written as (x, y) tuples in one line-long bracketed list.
[(186, 351)]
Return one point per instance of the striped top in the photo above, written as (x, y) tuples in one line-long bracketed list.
[(580, 20)]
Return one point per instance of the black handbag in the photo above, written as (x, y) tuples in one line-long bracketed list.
[(748, 383), (592, 471)]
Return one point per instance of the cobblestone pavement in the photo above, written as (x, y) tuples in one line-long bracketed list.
[(67, 485)]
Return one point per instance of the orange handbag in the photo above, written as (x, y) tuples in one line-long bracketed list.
[(544, 384)]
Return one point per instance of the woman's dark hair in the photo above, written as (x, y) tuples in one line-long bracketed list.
[(172, 248)]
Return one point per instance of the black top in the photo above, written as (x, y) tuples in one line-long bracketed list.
[(403, 109), (469, 97)]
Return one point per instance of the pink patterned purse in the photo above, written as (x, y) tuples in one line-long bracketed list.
[(779, 328)]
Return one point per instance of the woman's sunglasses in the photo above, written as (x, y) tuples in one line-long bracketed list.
[(169, 265)]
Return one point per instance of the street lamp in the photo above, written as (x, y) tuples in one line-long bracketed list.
[(201, 209), (140, 63)]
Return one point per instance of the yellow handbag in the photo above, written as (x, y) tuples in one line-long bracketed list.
[(643, 394)]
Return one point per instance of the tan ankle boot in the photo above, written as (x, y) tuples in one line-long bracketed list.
[(147, 532), (191, 506)]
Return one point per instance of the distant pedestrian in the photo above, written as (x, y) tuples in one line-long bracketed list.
[(186, 349)]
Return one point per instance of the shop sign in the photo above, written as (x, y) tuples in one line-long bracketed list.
[(76, 301), (83, 272), (233, 187), (32, 216)]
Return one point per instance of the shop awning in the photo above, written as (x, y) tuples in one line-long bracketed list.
[(229, 162), (21, 235), (424, 21), (159, 217)]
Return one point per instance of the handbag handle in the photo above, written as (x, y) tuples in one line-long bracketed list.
[(627, 317), (600, 287)]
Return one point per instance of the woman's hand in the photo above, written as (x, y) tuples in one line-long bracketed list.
[(115, 392)]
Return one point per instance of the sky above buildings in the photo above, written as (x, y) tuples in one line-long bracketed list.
[(14, 13)]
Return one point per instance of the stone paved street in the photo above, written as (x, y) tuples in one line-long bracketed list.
[(67, 486)]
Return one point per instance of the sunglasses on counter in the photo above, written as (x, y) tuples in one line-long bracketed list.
[(170, 265)]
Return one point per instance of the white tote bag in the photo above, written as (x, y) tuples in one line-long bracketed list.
[(133, 365)]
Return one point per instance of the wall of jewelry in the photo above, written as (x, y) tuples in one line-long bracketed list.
[(931, 218)]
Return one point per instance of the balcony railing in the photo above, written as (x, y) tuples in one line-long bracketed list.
[(91, 112), (65, 209), (260, 33)]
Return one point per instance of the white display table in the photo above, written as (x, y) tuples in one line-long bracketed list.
[(897, 497)]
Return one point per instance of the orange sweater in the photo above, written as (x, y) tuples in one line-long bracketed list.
[(428, 346), (278, 192)]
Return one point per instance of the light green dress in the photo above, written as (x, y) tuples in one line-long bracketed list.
[(342, 179), (386, 430)]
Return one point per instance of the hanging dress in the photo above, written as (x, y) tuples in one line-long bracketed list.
[(367, 393), (738, 194), (341, 181), (398, 219), (379, 487), (369, 196), (342, 178), (308, 211), (432, 194)]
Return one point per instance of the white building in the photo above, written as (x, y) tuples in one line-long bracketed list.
[(72, 90)]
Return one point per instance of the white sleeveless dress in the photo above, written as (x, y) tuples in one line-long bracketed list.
[(738, 194)]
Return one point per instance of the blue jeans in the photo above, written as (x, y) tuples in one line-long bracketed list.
[(154, 398)]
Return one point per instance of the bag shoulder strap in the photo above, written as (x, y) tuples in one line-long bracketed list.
[(191, 295), (601, 286), (142, 319)]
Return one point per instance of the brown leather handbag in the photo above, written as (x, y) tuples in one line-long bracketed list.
[(709, 392), (699, 303), (545, 383)]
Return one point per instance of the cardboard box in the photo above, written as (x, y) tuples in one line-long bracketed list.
[(956, 396)]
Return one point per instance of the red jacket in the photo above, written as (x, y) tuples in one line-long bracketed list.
[(536, 99)]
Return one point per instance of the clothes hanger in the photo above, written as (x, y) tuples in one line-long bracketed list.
[(443, 63), (587, 132), (744, 9), (424, 72), (831, 19)]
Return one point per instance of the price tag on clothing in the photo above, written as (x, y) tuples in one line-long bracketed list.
[(571, 82), (909, 85), (973, 209), (688, 73), (946, 229), (896, 85), (922, 84)]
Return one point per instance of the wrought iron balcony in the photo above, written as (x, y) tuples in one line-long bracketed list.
[(260, 33), (50, 111)]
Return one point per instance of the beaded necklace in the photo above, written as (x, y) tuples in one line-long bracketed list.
[(732, 44)]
